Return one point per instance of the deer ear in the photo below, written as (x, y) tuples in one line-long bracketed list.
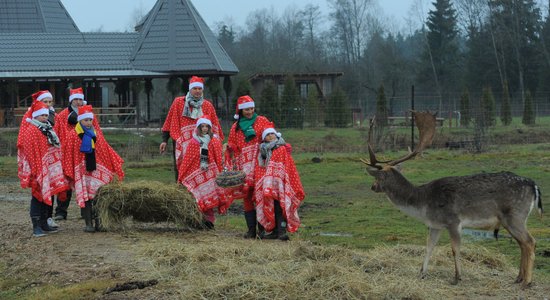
[(398, 167)]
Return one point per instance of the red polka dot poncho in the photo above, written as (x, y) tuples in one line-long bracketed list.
[(39, 164), (181, 128), (278, 180), (86, 183), (202, 183)]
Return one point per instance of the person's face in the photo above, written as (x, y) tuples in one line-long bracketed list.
[(196, 92), (270, 137), (204, 128), (248, 112), (87, 122), (42, 118), (77, 102), (48, 101)]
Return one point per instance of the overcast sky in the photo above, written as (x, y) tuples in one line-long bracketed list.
[(119, 15)]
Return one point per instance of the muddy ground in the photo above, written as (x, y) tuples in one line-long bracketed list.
[(100, 265)]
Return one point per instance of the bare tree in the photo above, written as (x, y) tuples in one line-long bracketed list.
[(350, 19)]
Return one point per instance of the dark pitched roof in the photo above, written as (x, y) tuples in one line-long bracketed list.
[(187, 46), (66, 54), (45, 16), (174, 37)]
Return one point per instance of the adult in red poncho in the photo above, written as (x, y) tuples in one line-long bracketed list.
[(46, 97), (182, 117), (200, 165), (242, 144), (39, 165), (89, 162), (279, 191), (65, 123)]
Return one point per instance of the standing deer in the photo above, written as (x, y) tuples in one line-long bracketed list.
[(485, 200)]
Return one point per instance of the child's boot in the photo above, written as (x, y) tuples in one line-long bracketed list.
[(36, 230), (250, 217), (86, 213), (281, 223)]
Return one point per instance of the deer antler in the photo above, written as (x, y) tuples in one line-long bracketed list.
[(425, 122)]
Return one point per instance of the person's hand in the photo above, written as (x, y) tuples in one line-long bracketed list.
[(162, 147)]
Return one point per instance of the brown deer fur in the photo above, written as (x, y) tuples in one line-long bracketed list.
[(485, 200)]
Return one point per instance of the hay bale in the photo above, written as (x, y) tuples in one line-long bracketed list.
[(147, 201)]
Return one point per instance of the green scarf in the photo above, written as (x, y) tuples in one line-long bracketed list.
[(246, 126)]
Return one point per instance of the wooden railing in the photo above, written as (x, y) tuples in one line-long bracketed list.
[(108, 116), (406, 121)]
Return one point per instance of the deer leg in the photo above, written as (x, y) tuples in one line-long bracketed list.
[(526, 244), (454, 233), (433, 237)]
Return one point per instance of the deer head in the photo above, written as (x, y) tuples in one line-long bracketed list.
[(387, 173)]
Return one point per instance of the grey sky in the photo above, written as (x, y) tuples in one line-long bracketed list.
[(119, 15)]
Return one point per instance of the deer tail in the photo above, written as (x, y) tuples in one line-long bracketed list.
[(538, 200)]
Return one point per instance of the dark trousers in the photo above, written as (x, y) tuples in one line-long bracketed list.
[(62, 206), (39, 209), (50, 208)]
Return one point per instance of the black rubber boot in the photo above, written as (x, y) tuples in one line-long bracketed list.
[(36, 230), (281, 222), (250, 217), (86, 212), (261, 231), (95, 217)]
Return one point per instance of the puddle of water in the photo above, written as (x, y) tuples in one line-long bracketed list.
[(336, 234)]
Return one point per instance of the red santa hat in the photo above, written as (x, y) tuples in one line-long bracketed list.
[(85, 112), (269, 130), (77, 93), (196, 82), (204, 120), (39, 108), (242, 103), (41, 95)]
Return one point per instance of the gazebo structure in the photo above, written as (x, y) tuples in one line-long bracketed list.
[(41, 47)]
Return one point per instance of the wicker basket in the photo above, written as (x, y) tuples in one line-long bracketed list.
[(230, 179)]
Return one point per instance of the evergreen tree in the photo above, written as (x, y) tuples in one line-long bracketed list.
[(465, 109), (441, 57), (516, 26), (270, 105), (381, 108), (505, 107), (337, 113), (226, 37), (312, 109), (488, 107), (528, 111), (291, 105)]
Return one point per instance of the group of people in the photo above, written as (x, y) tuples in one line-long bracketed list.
[(57, 155), (272, 190), (61, 153)]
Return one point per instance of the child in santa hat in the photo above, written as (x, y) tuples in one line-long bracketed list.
[(278, 191), (242, 146), (65, 123), (40, 166), (182, 117), (89, 162), (201, 163), (47, 98)]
